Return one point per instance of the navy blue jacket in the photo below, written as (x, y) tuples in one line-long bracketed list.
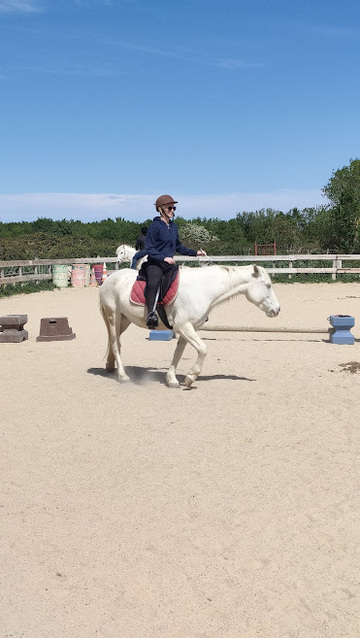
[(162, 241)]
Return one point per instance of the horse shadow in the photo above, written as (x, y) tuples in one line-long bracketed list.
[(143, 376), (137, 375)]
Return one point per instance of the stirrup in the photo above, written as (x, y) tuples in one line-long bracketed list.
[(152, 320)]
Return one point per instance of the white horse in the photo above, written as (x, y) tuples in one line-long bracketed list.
[(125, 253), (200, 289)]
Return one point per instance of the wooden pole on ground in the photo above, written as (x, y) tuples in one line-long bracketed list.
[(253, 329)]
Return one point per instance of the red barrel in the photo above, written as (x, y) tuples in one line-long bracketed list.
[(98, 268), (78, 275)]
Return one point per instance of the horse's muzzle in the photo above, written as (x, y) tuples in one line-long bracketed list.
[(273, 313)]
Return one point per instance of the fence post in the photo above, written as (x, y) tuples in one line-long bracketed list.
[(337, 263)]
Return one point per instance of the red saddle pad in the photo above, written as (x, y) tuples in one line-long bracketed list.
[(137, 292)]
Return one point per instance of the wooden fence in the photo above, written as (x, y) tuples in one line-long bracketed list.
[(21, 271)]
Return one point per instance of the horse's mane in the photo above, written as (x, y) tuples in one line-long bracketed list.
[(230, 270)]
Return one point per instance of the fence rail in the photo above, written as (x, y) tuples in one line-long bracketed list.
[(25, 270)]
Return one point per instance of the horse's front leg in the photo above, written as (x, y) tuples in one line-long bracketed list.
[(171, 379), (122, 324), (116, 326), (188, 333)]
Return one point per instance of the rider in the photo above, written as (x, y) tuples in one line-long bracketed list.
[(162, 241), (139, 247)]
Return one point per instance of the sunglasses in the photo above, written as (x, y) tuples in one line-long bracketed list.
[(171, 208)]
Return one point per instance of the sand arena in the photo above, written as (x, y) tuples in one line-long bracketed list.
[(228, 510)]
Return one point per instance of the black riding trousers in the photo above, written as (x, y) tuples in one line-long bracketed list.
[(155, 271)]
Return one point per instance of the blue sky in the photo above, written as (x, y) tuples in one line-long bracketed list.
[(227, 106)]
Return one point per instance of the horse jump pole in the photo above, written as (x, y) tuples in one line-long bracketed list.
[(247, 329)]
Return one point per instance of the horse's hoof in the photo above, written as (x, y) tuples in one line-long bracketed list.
[(124, 379), (110, 368), (189, 381), (173, 384)]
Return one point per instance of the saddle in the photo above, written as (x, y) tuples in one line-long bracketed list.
[(168, 288)]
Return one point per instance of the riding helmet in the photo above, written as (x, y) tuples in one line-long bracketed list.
[(163, 200)]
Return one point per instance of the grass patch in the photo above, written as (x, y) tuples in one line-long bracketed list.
[(24, 289), (315, 278)]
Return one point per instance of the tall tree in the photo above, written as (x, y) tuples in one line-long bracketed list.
[(343, 190)]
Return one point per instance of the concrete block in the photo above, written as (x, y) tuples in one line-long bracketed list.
[(55, 329), (12, 329), (342, 325)]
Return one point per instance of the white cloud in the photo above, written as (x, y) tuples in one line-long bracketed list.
[(87, 3), (25, 6), (73, 70), (94, 207), (235, 65), (336, 31)]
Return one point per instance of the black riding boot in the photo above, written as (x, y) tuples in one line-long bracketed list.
[(154, 275), (152, 320)]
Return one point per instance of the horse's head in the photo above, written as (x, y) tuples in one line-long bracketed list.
[(261, 293), (121, 253)]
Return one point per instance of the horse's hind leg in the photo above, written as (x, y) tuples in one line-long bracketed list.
[(189, 334), (171, 379), (110, 359)]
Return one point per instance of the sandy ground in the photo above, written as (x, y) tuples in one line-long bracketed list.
[(227, 510)]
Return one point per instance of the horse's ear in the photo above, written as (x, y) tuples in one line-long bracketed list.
[(256, 271)]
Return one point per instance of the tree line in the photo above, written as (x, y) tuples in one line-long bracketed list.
[(333, 227)]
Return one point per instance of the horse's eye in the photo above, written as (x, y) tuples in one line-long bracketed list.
[(268, 286)]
